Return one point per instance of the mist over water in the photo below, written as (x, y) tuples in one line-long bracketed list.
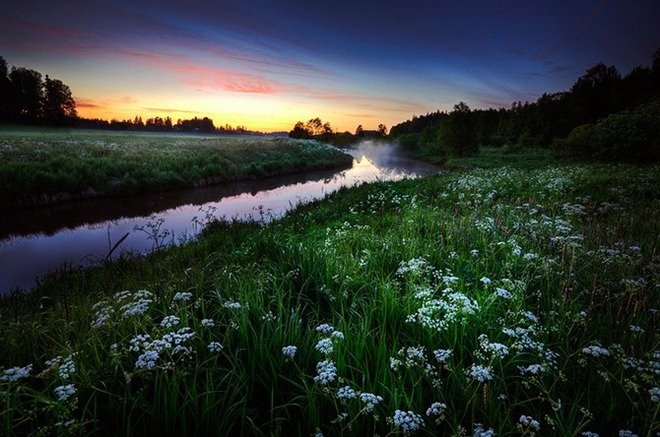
[(37, 241)]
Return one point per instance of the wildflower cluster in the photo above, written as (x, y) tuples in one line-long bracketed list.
[(172, 343), (120, 306), (408, 421)]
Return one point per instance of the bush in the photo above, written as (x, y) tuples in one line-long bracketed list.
[(579, 142), (409, 141), (627, 136)]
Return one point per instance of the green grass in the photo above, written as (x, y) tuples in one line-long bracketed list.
[(401, 269), (492, 157), (44, 166)]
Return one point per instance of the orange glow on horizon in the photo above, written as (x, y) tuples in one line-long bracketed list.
[(268, 116)]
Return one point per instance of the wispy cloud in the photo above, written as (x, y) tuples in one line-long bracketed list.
[(45, 29), (88, 105), (170, 110)]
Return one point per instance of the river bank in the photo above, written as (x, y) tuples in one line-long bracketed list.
[(472, 301), (35, 242), (56, 166)]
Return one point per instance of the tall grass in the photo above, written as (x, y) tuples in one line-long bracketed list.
[(38, 168), (507, 300)]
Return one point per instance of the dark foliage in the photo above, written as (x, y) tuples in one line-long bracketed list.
[(316, 129), (627, 136), (600, 92), (26, 98)]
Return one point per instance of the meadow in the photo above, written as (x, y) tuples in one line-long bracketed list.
[(41, 166), (512, 300)]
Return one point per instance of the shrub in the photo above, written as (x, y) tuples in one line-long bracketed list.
[(627, 136)]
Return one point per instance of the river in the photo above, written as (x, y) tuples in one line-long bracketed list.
[(37, 241)]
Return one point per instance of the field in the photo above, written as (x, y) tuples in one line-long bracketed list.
[(509, 300), (50, 165)]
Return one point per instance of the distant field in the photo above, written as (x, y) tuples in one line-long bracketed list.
[(51, 165)]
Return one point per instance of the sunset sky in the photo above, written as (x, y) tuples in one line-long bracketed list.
[(267, 64)]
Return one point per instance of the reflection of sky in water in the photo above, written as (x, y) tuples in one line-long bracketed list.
[(24, 258)]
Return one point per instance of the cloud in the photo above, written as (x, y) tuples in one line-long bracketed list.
[(88, 105), (46, 29), (170, 110), (358, 100)]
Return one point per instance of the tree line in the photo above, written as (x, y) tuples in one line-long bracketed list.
[(162, 124), (601, 108), (316, 129), (27, 97)]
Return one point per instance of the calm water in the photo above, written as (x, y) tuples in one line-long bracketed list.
[(37, 241)]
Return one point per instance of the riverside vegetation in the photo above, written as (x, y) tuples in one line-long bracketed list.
[(49, 165), (510, 300)]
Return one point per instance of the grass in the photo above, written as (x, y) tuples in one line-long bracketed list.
[(493, 157), (514, 297), (46, 166)]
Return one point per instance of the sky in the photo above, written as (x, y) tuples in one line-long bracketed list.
[(267, 64)]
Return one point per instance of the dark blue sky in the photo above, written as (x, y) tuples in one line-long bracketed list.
[(268, 64)]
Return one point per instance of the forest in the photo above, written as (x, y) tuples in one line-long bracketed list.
[(604, 116)]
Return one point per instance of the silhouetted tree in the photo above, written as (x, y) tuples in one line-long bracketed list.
[(4, 91), (359, 131), (195, 125), (26, 96), (300, 131), (59, 108), (457, 134), (315, 126), (595, 91), (382, 130)]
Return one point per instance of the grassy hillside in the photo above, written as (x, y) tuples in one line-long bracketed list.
[(518, 300), (38, 167)]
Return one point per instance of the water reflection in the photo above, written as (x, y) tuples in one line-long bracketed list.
[(37, 241)]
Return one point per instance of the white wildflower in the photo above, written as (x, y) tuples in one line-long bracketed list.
[(338, 335), (370, 400), (170, 321), (346, 393), (183, 296), (529, 422), (532, 369), (636, 329), (289, 351), (436, 409), (66, 368), (480, 431), (596, 350), (408, 421), (147, 360), (215, 346), (14, 374), (480, 373), (531, 316), (442, 355), (326, 372), (325, 328), (324, 346), (64, 392)]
